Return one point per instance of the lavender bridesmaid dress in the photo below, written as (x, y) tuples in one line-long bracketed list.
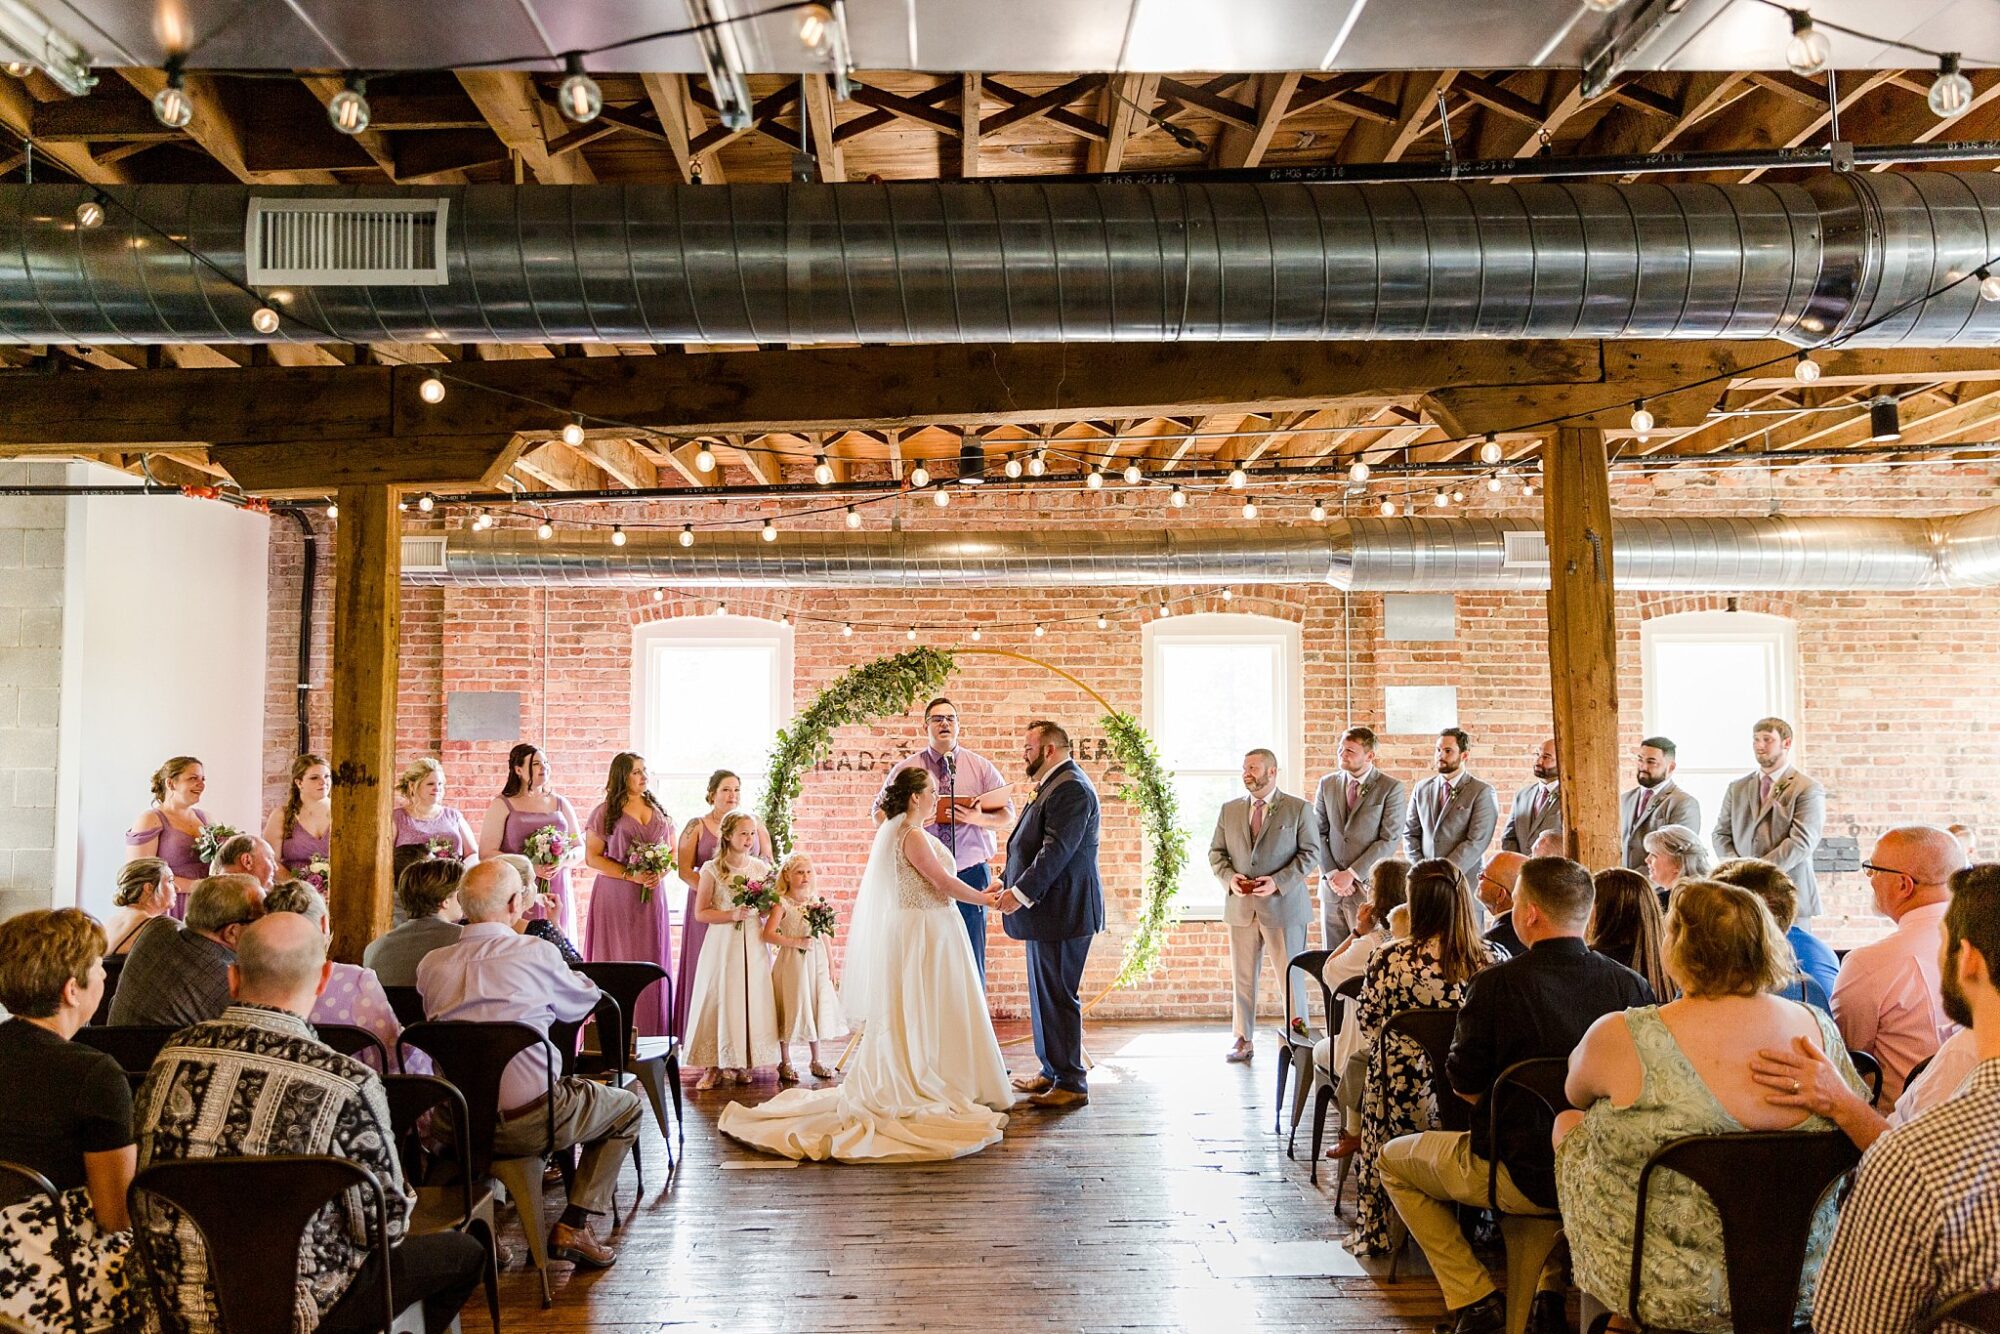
[(177, 851), (449, 822), (300, 847), (514, 838), (693, 928), (622, 924)]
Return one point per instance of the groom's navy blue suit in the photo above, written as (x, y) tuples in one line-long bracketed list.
[(1052, 862)]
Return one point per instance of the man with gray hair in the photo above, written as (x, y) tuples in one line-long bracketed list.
[(494, 974), (177, 973), (246, 854), (257, 1082)]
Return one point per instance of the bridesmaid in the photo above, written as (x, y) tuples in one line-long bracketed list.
[(299, 829), (168, 828), (629, 917), (524, 805), (699, 841), (422, 817)]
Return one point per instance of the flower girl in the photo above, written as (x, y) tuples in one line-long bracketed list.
[(732, 1019), (802, 974)]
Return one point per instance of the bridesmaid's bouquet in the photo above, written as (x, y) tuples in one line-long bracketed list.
[(317, 873), (759, 895), (821, 919), (210, 840), (649, 859), (444, 845), (550, 845)]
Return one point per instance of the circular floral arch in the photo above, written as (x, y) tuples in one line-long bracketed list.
[(895, 684)]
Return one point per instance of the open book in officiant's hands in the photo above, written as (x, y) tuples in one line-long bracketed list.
[(945, 805)]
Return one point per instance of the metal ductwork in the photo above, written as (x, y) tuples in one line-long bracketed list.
[(1363, 555), (1000, 262)]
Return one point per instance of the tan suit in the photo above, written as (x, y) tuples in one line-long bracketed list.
[(1285, 848)]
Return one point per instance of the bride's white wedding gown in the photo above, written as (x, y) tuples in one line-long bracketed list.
[(927, 1080)]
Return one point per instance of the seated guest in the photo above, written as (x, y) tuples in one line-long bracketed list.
[(1801, 1076), (145, 891), (1967, 839), (1657, 1073), (1345, 1053), (429, 918), (1536, 1004), (66, 1112), (256, 1082), (1886, 998), (177, 973), (1917, 1227), (246, 854), (1388, 889), (1625, 926), (352, 994), (494, 973), (1496, 895), (543, 928), (1428, 971), (1548, 843), (1674, 853), (1811, 955)]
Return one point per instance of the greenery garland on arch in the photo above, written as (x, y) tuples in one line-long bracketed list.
[(896, 684)]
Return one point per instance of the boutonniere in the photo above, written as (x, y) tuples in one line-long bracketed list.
[(1778, 790)]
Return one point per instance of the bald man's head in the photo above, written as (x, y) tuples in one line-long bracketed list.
[(1913, 864), (1496, 882), (488, 890), (280, 962)]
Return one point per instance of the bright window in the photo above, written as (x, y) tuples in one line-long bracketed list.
[(709, 692), (1218, 686), (1709, 676)]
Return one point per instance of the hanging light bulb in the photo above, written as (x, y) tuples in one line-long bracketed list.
[(20, 69), (1133, 474), (1884, 421), (722, 609), (1249, 509), (333, 509), (1038, 463), (1951, 91), (1388, 509), (1103, 622), (1357, 471), (1808, 51), (822, 471), (912, 635), (1228, 595), (348, 109), (1493, 484), (920, 476), (941, 497), (784, 620), (172, 107), (426, 503), (1527, 487), (89, 214), (1094, 479), (264, 320), (1318, 511), (1989, 285), (976, 636), (659, 595), (704, 459), (572, 433), (1165, 611), (1806, 370), (1489, 449), (1039, 631), (1642, 420), (546, 531), (1177, 497), (847, 632), (431, 390), (1238, 479), (770, 532), (853, 517), (580, 97), (402, 507), (687, 535), (1013, 469), (617, 535), (1458, 495), (1441, 500)]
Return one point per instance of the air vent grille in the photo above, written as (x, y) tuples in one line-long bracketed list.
[(424, 555), (1525, 549), (346, 242)]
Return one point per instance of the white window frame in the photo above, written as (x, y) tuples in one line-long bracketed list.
[(1779, 634), (650, 637), (1235, 628)]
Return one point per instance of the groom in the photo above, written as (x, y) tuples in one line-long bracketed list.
[(1054, 902)]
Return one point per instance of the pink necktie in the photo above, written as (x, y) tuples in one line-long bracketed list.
[(1764, 790), (1444, 796), (1257, 819), (1541, 799), (1645, 804), (1353, 793)]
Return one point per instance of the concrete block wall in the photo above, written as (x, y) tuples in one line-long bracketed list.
[(32, 547)]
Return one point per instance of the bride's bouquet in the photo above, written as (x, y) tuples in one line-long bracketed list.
[(821, 919), (210, 840), (649, 859), (550, 845), (758, 895)]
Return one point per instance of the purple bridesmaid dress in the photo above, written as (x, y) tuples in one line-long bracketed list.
[(514, 838), (622, 924), (449, 823), (300, 847), (693, 928), (177, 851)]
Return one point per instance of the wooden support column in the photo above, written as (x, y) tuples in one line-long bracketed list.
[(1583, 643), (367, 615)]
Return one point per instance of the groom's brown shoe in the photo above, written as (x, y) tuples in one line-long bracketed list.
[(1033, 1083), (1060, 1098)]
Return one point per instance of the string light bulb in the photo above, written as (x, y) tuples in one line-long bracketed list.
[(1318, 511), (1441, 500), (1527, 487), (722, 609), (1177, 497), (1808, 51), (687, 535), (546, 531), (348, 110), (1805, 370), (617, 535), (659, 595), (89, 214), (264, 320), (1357, 471), (1013, 470), (1094, 479), (941, 497), (1951, 91), (426, 503), (770, 531), (333, 509), (816, 30), (1458, 495), (1489, 449), (1228, 595), (704, 459), (1642, 420), (911, 635), (1989, 284), (1103, 621), (822, 471), (172, 107), (1388, 509), (1039, 630), (1038, 463), (847, 632), (1134, 474), (1165, 611), (1493, 484), (853, 517), (431, 390), (20, 69), (580, 97), (1249, 509), (920, 476), (572, 433), (1238, 479)]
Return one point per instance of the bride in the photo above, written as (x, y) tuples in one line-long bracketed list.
[(927, 1080)]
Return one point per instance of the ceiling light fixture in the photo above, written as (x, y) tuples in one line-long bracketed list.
[(853, 517), (1038, 463), (704, 459), (1177, 497), (1094, 479), (1357, 471), (920, 476), (172, 107), (1808, 51), (1238, 479), (1318, 511), (348, 110), (1806, 370), (687, 535), (770, 532), (572, 433), (1134, 474), (1885, 421), (1642, 420), (1489, 449), (822, 470), (617, 535), (264, 320), (582, 101), (1951, 91), (89, 214), (431, 390)]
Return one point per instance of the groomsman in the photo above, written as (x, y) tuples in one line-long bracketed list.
[(1264, 848), (1360, 813), (1537, 807), (1452, 814), (1775, 812), (1655, 803)]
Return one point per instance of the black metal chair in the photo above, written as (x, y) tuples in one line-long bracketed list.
[(1326, 1089), (1295, 1047), (356, 1041), (1430, 1030), (1529, 1239), (654, 1062), (257, 1289), (474, 1056), (133, 1046), (1917, 1070), (407, 1003), (114, 968), (1973, 1310), (1869, 1069), (19, 1184), (469, 1205), (1766, 1186)]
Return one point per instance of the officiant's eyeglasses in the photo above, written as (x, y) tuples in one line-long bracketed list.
[(937, 718)]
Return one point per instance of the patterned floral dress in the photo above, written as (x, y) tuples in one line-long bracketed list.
[(1403, 975)]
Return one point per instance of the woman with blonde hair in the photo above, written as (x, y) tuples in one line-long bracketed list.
[(1654, 1074), (423, 818), (701, 838), (809, 1007), (302, 829), (168, 829), (145, 890)]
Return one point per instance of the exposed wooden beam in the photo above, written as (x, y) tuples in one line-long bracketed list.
[(376, 142), (907, 108), (517, 114), (823, 118), (971, 96), (1119, 106), (1050, 105), (367, 609), (763, 114), (1372, 141), (1237, 147), (1583, 642), (683, 122), (217, 128), (296, 465)]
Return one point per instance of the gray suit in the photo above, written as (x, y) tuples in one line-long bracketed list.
[(1670, 805), (1286, 850), (1462, 832), (1354, 841), (1525, 825), (1784, 830)]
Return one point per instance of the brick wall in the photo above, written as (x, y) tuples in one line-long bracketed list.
[(1885, 679)]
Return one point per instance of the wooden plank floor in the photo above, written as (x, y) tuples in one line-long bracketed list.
[(1167, 1204)]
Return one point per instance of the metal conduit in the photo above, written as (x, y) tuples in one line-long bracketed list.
[(996, 261), (1361, 555)]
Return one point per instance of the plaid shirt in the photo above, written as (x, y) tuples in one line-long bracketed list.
[(256, 1082), (1923, 1222)]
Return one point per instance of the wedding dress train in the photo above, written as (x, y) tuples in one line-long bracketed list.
[(927, 1080)]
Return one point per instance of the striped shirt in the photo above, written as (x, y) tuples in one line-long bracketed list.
[(1923, 1222)]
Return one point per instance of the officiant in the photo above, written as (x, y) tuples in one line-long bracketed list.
[(973, 801)]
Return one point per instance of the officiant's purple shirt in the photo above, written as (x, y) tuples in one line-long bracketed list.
[(977, 776)]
